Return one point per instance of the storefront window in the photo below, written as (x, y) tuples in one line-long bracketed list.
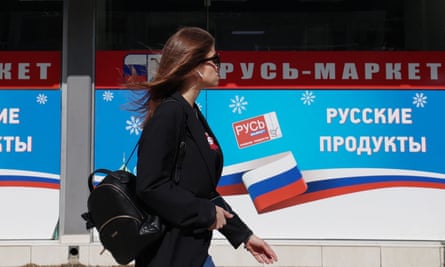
[(30, 117), (279, 25), (345, 88), (31, 25)]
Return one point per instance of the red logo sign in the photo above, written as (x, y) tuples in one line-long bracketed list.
[(256, 130)]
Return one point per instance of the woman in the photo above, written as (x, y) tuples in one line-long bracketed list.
[(190, 205)]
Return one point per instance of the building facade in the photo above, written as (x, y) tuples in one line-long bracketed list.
[(351, 91)]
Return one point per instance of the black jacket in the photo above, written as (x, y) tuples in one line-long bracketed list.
[(186, 206)]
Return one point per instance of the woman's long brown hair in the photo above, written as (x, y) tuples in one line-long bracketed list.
[(181, 54)]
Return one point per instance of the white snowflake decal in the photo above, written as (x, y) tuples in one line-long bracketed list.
[(108, 96), (42, 99), (238, 104), (308, 98), (134, 125), (420, 100)]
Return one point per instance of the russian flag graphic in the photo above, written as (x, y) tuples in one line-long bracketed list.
[(231, 184), (275, 182), (272, 182), (135, 68), (19, 178)]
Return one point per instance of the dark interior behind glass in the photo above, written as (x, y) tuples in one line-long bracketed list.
[(237, 24)]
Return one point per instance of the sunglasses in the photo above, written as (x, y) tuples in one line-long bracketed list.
[(215, 60)]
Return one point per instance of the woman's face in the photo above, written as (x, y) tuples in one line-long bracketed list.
[(208, 70)]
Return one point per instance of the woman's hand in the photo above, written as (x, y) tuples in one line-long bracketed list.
[(221, 218), (262, 252)]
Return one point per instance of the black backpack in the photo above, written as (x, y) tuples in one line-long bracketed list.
[(124, 228)]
